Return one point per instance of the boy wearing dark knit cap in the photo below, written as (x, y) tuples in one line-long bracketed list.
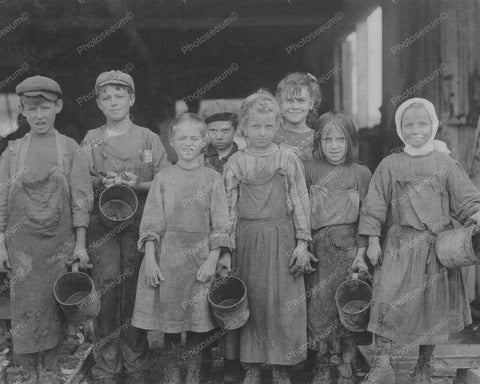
[(44, 213), (221, 118), (119, 148)]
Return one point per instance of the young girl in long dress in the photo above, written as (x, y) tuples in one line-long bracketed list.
[(420, 190), (184, 226), (337, 185), (268, 199), (299, 97)]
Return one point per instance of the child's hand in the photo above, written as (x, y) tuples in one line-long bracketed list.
[(153, 274), (110, 179), (80, 254), (5, 265), (374, 251), (129, 179), (224, 264), (474, 219), (359, 265), (300, 260), (206, 270)]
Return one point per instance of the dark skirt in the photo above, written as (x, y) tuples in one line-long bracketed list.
[(335, 248)]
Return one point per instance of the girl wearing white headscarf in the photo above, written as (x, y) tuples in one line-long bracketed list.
[(420, 190), (432, 144)]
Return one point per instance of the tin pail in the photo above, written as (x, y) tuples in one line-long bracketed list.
[(228, 302), (353, 299), (76, 295), (459, 247), (117, 204)]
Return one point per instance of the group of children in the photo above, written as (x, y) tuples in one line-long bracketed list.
[(292, 215)]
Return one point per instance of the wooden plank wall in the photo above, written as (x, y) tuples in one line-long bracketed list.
[(438, 65)]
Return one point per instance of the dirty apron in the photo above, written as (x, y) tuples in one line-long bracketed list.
[(39, 238), (116, 264), (334, 226), (275, 332), (414, 296), (180, 302)]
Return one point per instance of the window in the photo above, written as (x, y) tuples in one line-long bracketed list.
[(359, 87), (9, 113)]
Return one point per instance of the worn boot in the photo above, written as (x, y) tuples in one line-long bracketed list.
[(323, 374), (345, 374), (207, 362), (360, 366), (423, 370), (253, 374), (193, 369), (280, 375), (172, 367), (231, 371), (422, 374), (28, 370), (381, 372)]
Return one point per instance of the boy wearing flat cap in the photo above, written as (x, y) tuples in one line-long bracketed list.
[(44, 213), (119, 152), (221, 118)]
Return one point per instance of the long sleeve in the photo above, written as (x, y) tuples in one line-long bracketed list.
[(152, 225), (464, 198), (159, 154), (297, 191), (220, 218), (80, 188), (87, 146), (4, 187), (374, 209), (232, 190), (364, 178)]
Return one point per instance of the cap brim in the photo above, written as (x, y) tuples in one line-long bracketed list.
[(47, 95), (114, 82)]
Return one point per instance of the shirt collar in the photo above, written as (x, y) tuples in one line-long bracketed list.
[(212, 151)]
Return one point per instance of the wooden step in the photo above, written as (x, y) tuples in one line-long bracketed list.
[(472, 376), (448, 360), (405, 377)]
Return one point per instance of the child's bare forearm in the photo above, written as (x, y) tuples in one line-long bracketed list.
[(361, 252), (150, 249), (214, 255), (81, 236), (373, 240), (302, 243)]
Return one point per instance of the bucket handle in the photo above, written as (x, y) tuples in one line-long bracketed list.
[(75, 267), (363, 276)]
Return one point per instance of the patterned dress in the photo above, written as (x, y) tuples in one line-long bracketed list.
[(268, 198), (301, 143), (336, 193)]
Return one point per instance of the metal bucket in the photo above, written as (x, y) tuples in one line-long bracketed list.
[(117, 204), (76, 295), (228, 302), (459, 247), (353, 299)]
